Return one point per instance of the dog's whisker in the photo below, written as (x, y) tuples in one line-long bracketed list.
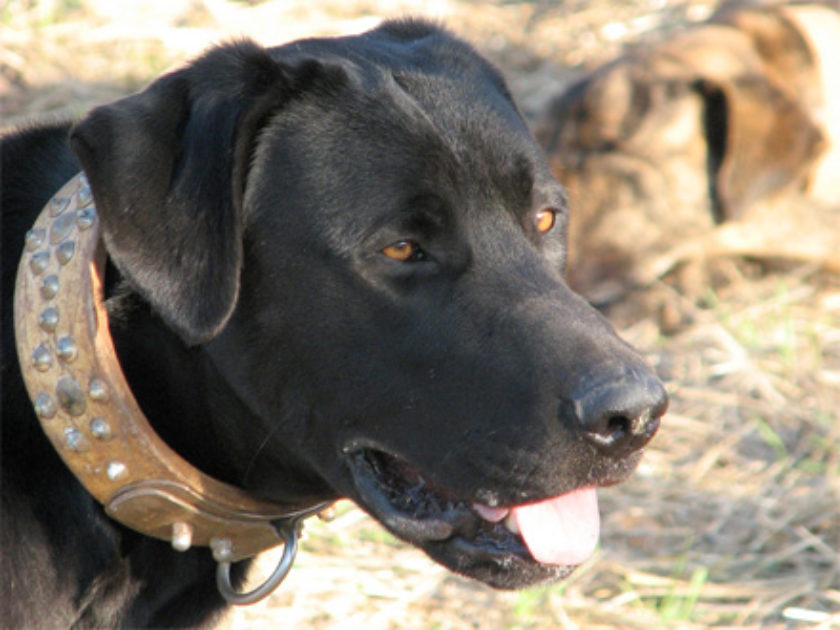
[(252, 462)]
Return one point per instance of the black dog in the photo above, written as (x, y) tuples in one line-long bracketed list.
[(336, 271)]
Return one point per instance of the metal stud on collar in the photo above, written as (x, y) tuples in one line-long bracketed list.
[(88, 412)]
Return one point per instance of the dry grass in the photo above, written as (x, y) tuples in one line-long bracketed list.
[(733, 519)]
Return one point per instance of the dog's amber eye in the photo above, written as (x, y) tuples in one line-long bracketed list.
[(404, 251), (545, 220)]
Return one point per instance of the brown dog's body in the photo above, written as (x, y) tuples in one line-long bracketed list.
[(820, 25), (709, 127)]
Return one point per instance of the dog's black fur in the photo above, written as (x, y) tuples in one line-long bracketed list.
[(247, 204)]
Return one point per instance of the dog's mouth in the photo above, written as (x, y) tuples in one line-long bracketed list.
[(507, 547)]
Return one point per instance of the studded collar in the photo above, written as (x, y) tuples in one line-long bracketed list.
[(89, 414)]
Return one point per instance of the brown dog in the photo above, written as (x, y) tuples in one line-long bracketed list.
[(721, 124)]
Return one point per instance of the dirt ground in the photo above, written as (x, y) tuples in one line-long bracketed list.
[(733, 519)]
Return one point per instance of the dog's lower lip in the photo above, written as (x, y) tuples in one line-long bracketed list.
[(429, 529), (430, 516)]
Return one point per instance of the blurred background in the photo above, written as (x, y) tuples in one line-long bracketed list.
[(733, 519)]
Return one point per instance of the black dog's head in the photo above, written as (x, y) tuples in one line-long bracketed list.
[(365, 240)]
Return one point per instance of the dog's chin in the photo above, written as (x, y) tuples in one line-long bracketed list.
[(452, 531)]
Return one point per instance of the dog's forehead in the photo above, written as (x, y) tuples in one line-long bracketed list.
[(429, 78), (422, 120)]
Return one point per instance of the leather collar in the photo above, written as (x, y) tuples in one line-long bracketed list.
[(88, 412)]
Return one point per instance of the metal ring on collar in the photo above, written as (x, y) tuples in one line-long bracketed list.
[(271, 583)]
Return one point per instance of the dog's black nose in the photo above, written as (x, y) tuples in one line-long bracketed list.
[(621, 415)]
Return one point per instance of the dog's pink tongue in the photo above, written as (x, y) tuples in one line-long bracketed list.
[(563, 530)]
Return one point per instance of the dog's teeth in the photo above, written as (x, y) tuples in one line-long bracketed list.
[(492, 514), (510, 524)]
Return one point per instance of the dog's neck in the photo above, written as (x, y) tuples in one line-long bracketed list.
[(88, 412)]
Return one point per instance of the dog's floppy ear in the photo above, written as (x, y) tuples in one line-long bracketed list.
[(755, 83), (760, 141), (167, 167)]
